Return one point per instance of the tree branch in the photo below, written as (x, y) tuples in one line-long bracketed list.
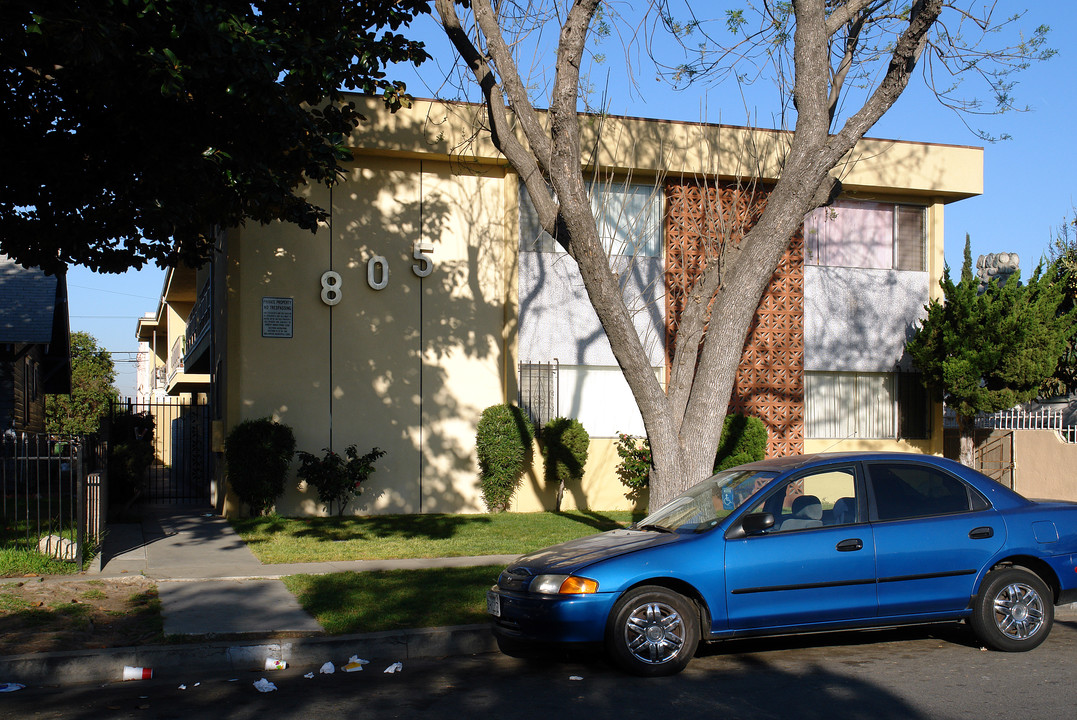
[(526, 164)]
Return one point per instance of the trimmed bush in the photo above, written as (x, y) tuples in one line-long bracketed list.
[(337, 480), (564, 445), (503, 444), (258, 453), (744, 440)]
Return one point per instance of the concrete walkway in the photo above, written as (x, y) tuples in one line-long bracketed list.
[(209, 581)]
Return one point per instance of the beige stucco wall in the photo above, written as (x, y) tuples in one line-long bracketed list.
[(407, 368), (600, 488), (1045, 465)]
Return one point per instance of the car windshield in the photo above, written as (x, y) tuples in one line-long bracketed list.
[(706, 504)]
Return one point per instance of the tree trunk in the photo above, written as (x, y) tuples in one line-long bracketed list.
[(966, 427)]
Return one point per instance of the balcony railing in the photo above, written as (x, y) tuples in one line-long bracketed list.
[(175, 356), (200, 319)]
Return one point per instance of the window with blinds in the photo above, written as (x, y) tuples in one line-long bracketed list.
[(843, 405)]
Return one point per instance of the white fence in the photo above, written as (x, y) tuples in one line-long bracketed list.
[(1018, 419)]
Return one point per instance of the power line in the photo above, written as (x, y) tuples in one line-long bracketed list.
[(114, 292)]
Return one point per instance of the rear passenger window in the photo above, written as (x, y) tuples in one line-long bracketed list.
[(907, 491)]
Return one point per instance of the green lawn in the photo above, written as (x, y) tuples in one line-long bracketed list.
[(16, 562), (396, 599), (289, 540)]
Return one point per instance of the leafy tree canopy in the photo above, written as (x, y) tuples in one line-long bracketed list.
[(132, 128), (92, 375)]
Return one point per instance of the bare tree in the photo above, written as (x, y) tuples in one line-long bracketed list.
[(825, 42)]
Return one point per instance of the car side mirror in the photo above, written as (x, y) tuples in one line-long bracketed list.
[(755, 523), (751, 524)]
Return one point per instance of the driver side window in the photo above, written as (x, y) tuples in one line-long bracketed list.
[(819, 499)]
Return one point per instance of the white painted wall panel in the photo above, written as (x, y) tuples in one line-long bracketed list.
[(858, 319)]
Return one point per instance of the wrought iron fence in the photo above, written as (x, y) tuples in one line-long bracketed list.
[(53, 495)]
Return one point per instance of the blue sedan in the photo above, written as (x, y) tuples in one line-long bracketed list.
[(800, 544)]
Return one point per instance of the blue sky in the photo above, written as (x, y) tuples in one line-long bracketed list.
[(1030, 181)]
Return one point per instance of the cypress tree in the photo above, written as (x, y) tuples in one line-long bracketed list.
[(991, 350)]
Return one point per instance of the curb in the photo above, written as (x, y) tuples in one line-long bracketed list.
[(183, 662)]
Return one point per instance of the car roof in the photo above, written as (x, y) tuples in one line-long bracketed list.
[(792, 462)]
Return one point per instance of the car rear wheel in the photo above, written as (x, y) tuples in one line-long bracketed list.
[(1013, 611), (653, 631)]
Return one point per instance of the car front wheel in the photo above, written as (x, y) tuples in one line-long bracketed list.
[(1013, 611), (653, 631)]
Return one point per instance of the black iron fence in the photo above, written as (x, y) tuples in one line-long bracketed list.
[(178, 430), (53, 495)]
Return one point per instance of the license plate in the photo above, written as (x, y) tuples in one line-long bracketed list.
[(493, 603)]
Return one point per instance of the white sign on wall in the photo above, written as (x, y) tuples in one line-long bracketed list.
[(277, 317)]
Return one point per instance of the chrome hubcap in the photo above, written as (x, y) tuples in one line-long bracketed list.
[(654, 633), (1018, 611)]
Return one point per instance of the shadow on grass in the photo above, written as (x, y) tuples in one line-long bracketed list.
[(346, 603), (406, 527), (599, 521), (403, 527)]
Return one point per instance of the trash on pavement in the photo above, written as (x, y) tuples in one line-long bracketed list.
[(309, 676), (10, 687), (355, 663), (394, 668), (182, 687), (328, 669), (574, 677), (137, 673), (264, 686), (275, 664)]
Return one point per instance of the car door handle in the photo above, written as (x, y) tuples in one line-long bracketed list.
[(851, 545), (981, 533)]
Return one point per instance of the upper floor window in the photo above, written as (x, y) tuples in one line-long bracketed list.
[(855, 233), (629, 218)]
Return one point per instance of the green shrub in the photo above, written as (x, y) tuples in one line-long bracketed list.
[(258, 453), (503, 444), (744, 440), (337, 480), (564, 445)]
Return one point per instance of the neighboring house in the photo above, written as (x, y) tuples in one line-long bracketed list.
[(429, 296), (35, 344)]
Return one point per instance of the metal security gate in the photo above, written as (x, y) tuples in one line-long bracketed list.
[(182, 464)]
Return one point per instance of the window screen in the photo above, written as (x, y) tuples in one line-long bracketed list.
[(629, 219), (854, 233)]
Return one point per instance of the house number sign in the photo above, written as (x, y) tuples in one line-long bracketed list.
[(377, 272)]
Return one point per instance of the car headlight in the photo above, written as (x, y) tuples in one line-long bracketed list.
[(563, 585)]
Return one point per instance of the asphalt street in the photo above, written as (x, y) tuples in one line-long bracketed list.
[(927, 672)]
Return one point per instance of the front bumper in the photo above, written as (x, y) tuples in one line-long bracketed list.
[(552, 618)]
